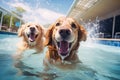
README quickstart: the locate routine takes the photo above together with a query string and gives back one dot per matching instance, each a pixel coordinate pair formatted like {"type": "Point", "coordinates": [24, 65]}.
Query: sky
{"type": "Point", "coordinates": [40, 11]}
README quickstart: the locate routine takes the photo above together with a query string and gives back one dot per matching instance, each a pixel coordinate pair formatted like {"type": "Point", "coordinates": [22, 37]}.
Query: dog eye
{"type": "Point", "coordinates": [36, 26]}
{"type": "Point", "coordinates": [73, 25]}
{"type": "Point", "coordinates": [28, 26]}
{"type": "Point", "coordinates": [58, 24]}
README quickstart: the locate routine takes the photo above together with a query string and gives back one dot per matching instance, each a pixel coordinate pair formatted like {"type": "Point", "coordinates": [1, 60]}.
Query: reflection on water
{"type": "Point", "coordinates": [99, 62]}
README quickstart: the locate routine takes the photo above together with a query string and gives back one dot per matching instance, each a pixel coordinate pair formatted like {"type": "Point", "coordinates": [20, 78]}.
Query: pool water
{"type": "Point", "coordinates": [99, 62]}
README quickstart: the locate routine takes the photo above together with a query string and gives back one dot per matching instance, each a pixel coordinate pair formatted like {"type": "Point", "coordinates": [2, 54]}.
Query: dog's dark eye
{"type": "Point", "coordinates": [58, 24]}
{"type": "Point", "coordinates": [28, 26]}
{"type": "Point", "coordinates": [73, 25]}
{"type": "Point", "coordinates": [36, 26]}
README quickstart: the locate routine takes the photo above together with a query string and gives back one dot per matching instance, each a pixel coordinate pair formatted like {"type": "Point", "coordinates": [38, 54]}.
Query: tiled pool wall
{"type": "Point", "coordinates": [109, 42]}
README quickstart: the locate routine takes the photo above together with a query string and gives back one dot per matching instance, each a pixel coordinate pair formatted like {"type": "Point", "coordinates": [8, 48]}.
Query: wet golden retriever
{"type": "Point", "coordinates": [32, 38]}
{"type": "Point", "coordinates": [62, 39]}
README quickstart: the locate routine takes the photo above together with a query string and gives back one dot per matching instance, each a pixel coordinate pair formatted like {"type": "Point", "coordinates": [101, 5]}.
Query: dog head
{"type": "Point", "coordinates": [31, 32]}
{"type": "Point", "coordinates": [65, 34]}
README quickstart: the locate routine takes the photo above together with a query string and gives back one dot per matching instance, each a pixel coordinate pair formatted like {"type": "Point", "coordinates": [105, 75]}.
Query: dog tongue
{"type": "Point", "coordinates": [64, 45]}
{"type": "Point", "coordinates": [32, 37]}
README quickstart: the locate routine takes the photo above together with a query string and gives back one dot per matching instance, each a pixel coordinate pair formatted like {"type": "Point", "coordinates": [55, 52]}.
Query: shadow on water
{"type": "Point", "coordinates": [55, 73]}
{"type": "Point", "coordinates": [28, 71]}
{"type": "Point", "coordinates": [28, 67]}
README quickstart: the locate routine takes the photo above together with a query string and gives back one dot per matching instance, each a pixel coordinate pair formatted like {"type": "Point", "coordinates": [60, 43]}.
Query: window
{"type": "Point", "coordinates": [106, 27]}
{"type": "Point", "coordinates": [117, 23]}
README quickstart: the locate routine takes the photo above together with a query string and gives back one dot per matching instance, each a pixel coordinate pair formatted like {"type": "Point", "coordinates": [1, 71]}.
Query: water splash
{"type": "Point", "coordinates": [92, 28]}
{"type": "Point", "coordinates": [93, 34]}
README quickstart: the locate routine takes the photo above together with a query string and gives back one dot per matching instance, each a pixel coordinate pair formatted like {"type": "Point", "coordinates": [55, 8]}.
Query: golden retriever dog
{"type": "Point", "coordinates": [32, 38]}
{"type": "Point", "coordinates": [62, 40]}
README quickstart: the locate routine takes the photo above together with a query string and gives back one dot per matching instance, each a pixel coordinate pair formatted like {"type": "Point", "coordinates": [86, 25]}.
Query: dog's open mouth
{"type": "Point", "coordinates": [63, 48]}
{"type": "Point", "coordinates": [32, 37]}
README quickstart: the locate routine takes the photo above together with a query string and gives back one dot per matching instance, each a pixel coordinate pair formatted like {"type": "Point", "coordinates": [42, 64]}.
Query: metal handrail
{"type": "Point", "coordinates": [116, 35]}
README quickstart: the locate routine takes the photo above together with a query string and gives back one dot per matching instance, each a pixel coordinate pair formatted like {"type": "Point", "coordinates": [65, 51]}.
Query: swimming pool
{"type": "Point", "coordinates": [100, 62]}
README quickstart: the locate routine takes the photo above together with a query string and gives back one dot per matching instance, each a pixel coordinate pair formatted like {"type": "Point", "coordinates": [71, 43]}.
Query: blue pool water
{"type": "Point", "coordinates": [99, 62]}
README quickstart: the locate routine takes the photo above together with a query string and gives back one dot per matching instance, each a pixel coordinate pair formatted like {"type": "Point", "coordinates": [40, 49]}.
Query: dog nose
{"type": "Point", "coordinates": [32, 28]}
{"type": "Point", "coordinates": [64, 33]}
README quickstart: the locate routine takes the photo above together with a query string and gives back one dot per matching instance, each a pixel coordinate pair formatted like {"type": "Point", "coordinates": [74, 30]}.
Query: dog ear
{"type": "Point", "coordinates": [20, 30]}
{"type": "Point", "coordinates": [82, 34]}
{"type": "Point", "coordinates": [40, 28]}
{"type": "Point", "coordinates": [48, 36]}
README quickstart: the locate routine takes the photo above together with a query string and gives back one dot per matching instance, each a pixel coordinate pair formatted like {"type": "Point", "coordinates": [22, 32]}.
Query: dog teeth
{"type": "Point", "coordinates": [68, 49]}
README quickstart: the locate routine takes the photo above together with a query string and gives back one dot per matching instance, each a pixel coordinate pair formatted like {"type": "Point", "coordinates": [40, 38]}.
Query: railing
{"type": "Point", "coordinates": [117, 35]}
